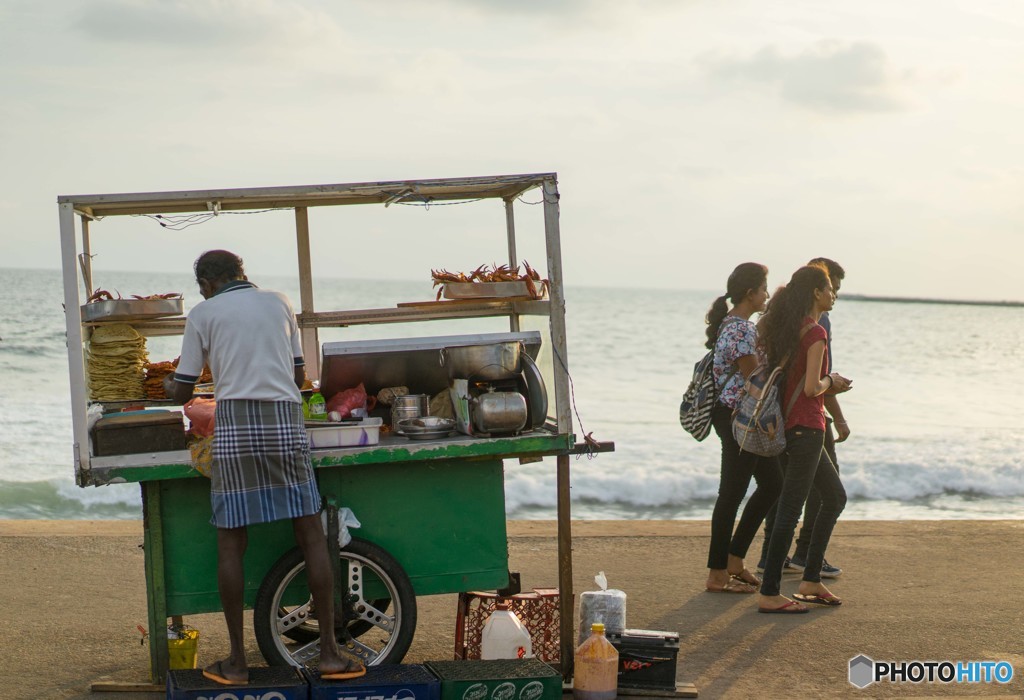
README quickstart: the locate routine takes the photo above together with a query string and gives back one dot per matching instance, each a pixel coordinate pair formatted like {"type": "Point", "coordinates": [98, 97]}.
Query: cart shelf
{"type": "Point", "coordinates": [155, 466]}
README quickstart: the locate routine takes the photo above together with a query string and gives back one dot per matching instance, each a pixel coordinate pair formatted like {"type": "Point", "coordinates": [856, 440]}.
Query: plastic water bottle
{"type": "Point", "coordinates": [316, 407]}
{"type": "Point", "coordinates": [504, 636]}
{"type": "Point", "coordinates": [596, 675]}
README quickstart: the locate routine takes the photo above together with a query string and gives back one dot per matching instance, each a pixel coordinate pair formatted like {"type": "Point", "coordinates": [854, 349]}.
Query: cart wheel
{"type": "Point", "coordinates": [308, 631]}
{"type": "Point", "coordinates": [372, 576]}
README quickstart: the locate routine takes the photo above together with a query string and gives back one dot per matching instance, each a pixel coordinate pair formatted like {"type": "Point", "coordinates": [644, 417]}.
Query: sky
{"type": "Point", "coordinates": [688, 135]}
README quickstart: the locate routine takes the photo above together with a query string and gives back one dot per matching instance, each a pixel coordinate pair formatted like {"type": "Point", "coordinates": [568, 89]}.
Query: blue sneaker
{"type": "Point", "coordinates": [827, 570]}
{"type": "Point", "coordinates": [787, 567]}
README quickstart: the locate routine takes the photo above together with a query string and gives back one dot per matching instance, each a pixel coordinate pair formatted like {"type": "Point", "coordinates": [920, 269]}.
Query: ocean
{"type": "Point", "coordinates": [934, 433]}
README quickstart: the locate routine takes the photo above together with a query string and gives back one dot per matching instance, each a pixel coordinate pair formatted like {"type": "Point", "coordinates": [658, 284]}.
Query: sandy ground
{"type": "Point", "coordinates": [72, 593]}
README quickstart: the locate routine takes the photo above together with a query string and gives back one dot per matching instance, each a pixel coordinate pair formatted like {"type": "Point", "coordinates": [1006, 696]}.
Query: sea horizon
{"type": "Point", "coordinates": [882, 297]}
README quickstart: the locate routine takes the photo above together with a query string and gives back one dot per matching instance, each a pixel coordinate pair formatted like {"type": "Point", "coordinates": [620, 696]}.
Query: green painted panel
{"type": "Point", "coordinates": [190, 548]}
{"type": "Point", "coordinates": [444, 521]}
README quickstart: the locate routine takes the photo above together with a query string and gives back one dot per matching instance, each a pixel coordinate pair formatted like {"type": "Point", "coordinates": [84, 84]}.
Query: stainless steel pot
{"type": "Point", "coordinates": [484, 363]}
{"type": "Point", "coordinates": [498, 412]}
{"type": "Point", "coordinates": [420, 401]}
{"type": "Point", "coordinates": [408, 406]}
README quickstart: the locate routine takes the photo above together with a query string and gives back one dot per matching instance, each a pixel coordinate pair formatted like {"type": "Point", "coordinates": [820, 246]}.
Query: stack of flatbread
{"type": "Point", "coordinates": [114, 362]}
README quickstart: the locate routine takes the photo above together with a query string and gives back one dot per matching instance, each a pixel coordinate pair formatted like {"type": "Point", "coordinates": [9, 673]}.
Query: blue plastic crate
{"type": "Point", "coordinates": [274, 683]}
{"type": "Point", "coordinates": [384, 682]}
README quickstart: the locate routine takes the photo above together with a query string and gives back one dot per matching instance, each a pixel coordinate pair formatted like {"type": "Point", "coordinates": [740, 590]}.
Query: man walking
{"type": "Point", "coordinates": [261, 465]}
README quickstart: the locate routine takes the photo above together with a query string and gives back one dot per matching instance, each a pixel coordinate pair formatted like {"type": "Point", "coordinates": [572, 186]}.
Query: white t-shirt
{"type": "Point", "coordinates": [250, 340]}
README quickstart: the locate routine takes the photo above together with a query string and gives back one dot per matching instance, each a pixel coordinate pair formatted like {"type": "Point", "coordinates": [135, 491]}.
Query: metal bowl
{"type": "Point", "coordinates": [425, 424]}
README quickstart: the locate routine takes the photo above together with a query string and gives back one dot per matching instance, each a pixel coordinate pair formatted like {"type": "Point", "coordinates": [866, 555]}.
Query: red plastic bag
{"type": "Point", "coordinates": [200, 414]}
{"type": "Point", "coordinates": [345, 401]}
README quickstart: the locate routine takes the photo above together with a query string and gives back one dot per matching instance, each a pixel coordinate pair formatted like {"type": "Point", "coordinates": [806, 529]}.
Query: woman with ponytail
{"type": "Point", "coordinates": [733, 337]}
{"type": "Point", "coordinates": [791, 337]}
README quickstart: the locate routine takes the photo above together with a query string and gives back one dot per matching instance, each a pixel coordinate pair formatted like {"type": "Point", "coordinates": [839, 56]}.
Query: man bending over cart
{"type": "Point", "coordinates": [261, 465]}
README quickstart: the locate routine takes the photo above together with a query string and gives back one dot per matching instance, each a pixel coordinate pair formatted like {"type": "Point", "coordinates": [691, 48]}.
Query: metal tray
{"type": "Point", "coordinates": [131, 309]}
{"type": "Point", "coordinates": [485, 290]}
{"type": "Point", "coordinates": [430, 434]}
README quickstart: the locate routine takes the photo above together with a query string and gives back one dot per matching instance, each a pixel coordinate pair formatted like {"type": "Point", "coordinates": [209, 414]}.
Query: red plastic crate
{"type": "Point", "coordinates": [537, 610]}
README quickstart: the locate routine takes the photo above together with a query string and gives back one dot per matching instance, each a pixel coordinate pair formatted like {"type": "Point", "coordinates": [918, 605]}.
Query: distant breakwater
{"type": "Point", "coordinates": [923, 300]}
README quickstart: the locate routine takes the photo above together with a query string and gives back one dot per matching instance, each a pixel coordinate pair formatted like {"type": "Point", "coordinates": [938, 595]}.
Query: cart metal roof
{"type": "Point", "coordinates": [421, 191]}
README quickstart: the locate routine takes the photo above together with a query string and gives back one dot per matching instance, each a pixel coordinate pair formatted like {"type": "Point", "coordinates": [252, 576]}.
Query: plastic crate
{"type": "Point", "coordinates": [278, 682]}
{"type": "Point", "coordinates": [538, 611]}
{"type": "Point", "coordinates": [502, 679]}
{"type": "Point", "coordinates": [401, 681]}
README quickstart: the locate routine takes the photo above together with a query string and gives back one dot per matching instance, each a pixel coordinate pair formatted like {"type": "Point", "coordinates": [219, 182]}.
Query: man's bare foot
{"type": "Point", "coordinates": [226, 673]}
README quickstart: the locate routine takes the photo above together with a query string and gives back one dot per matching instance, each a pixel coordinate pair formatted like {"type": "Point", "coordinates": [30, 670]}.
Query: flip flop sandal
{"type": "Point", "coordinates": [734, 585]}
{"type": "Point", "coordinates": [344, 675]}
{"type": "Point", "coordinates": [215, 673]}
{"type": "Point", "coordinates": [786, 609]}
{"type": "Point", "coordinates": [815, 599]}
{"type": "Point", "coordinates": [752, 581]}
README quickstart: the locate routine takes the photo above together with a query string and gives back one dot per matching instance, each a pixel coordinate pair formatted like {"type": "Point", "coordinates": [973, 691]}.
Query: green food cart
{"type": "Point", "coordinates": [432, 512]}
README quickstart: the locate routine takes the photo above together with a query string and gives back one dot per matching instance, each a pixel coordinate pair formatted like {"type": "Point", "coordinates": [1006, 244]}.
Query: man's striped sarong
{"type": "Point", "coordinates": [261, 466]}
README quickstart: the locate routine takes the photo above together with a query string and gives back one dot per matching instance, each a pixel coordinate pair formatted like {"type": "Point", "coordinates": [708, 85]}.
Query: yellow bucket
{"type": "Point", "coordinates": [183, 652]}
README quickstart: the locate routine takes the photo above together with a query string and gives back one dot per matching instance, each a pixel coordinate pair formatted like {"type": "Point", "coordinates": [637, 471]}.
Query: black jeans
{"type": "Point", "coordinates": [803, 540]}
{"type": "Point", "coordinates": [808, 464]}
{"type": "Point", "coordinates": [737, 468]}
{"type": "Point", "coordinates": [813, 507]}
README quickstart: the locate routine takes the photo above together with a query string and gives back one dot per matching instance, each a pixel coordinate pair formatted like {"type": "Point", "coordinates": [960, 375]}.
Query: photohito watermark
{"type": "Point", "coordinates": [864, 671]}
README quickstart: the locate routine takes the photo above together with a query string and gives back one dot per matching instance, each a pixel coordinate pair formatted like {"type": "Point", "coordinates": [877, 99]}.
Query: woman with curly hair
{"type": "Point", "coordinates": [791, 338]}
{"type": "Point", "coordinates": [734, 339]}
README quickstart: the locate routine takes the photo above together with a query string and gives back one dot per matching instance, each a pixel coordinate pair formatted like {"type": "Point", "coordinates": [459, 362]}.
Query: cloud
{"type": "Point", "coordinates": [208, 24]}
{"type": "Point", "coordinates": [828, 77]}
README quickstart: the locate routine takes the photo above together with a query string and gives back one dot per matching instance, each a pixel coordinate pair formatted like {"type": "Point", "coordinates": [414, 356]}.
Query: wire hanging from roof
{"type": "Point", "coordinates": [180, 222]}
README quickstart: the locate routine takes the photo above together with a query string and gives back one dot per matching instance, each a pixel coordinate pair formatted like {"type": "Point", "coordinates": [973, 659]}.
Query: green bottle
{"type": "Point", "coordinates": [316, 407]}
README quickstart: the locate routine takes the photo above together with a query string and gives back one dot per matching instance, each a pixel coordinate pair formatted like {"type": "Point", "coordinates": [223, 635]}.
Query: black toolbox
{"type": "Point", "coordinates": [647, 658]}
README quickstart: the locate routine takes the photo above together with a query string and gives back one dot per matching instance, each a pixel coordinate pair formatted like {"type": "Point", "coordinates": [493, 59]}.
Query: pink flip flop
{"type": "Point", "coordinates": [786, 609]}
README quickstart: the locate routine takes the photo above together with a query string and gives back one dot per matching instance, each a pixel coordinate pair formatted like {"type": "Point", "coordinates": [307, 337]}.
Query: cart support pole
{"type": "Point", "coordinates": [310, 336]}
{"type": "Point", "coordinates": [565, 594]}
{"type": "Point", "coordinates": [334, 553]}
{"type": "Point", "coordinates": [156, 589]}
{"type": "Point", "coordinates": [513, 256]}
{"type": "Point", "coordinates": [86, 258]}
{"type": "Point", "coordinates": [73, 323]}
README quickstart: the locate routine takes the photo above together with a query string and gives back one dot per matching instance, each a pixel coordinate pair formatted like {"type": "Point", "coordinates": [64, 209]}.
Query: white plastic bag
{"type": "Point", "coordinates": [607, 606]}
{"type": "Point", "coordinates": [346, 519]}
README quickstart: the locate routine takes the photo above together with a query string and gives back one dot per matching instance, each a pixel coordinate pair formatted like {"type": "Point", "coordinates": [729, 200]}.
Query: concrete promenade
{"type": "Point", "coordinates": [72, 593]}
